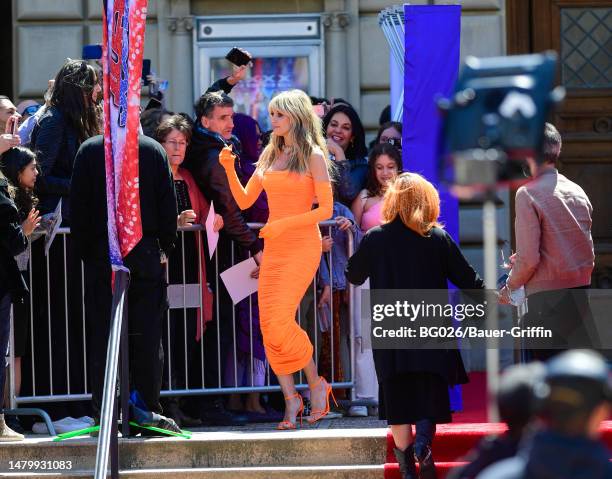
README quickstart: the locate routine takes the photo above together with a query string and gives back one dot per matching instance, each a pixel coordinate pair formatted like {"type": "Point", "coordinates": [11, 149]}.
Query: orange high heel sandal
{"type": "Point", "coordinates": [316, 415]}
{"type": "Point", "coordinates": [286, 425]}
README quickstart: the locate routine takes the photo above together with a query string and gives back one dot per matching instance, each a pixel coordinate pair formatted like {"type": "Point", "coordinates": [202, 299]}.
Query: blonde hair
{"type": "Point", "coordinates": [415, 200]}
{"type": "Point", "coordinates": [306, 133]}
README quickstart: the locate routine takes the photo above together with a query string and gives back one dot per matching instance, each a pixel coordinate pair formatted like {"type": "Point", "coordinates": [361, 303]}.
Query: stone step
{"type": "Point", "coordinates": [330, 447]}
{"type": "Point", "coordinates": [299, 472]}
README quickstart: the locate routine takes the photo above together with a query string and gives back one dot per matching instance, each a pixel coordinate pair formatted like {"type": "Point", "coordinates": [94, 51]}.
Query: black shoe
{"type": "Point", "coordinates": [405, 459]}
{"type": "Point", "coordinates": [152, 419]}
{"type": "Point", "coordinates": [427, 466]}
{"type": "Point", "coordinates": [215, 414]}
{"type": "Point", "coordinates": [160, 422]}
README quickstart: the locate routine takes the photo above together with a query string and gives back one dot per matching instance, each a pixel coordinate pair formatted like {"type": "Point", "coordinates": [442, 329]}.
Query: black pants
{"type": "Point", "coordinates": [147, 304]}
{"type": "Point", "coordinates": [567, 314]}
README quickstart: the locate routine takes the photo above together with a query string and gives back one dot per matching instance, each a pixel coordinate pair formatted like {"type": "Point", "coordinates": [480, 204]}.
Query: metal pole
{"type": "Point", "coordinates": [490, 267]}
{"type": "Point", "coordinates": [114, 443]}
{"type": "Point", "coordinates": [11, 368]}
{"type": "Point", "coordinates": [352, 315]}
{"type": "Point", "coordinates": [125, 373]}
{"type": "Point", "coordinates": [110, 375]}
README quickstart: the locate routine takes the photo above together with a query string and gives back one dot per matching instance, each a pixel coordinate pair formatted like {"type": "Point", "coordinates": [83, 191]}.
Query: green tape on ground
{"type": "Point", "coordinates": [80, 432]}
{"type": "Point", "coordinates": [183, 434]}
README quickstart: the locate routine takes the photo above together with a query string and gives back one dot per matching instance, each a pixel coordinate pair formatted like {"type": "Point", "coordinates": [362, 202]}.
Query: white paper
{"type": "Point", "coordinates": [54, 223]}
{"type": "Point", "coordinates": [211, 234]}
{"type": "Point", "coordinates": [238, 281]}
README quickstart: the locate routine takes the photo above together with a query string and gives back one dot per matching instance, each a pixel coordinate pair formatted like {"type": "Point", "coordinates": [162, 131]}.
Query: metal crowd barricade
{"type": "Point", "coordinates": [185, 297]}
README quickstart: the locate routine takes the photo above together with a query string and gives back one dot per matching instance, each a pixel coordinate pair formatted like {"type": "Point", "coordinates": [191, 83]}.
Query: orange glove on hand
{"type": "Point", "coordinates": [323, 212]}
{"type": "Point", "coordinates": [244, 197]}
{"type": "Point", "coordinates": [227, 158]}
{"type": "Point", "coordinates": [273, 230]}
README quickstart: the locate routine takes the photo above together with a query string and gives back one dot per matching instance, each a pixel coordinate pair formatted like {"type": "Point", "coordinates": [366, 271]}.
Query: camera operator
{"type": "Point", "coordinates": [516, 403]}
{"type": "Point", "coordinates": [575, 397]}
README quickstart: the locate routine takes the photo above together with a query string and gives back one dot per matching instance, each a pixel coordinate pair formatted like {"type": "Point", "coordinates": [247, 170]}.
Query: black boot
{"type": "Point", "coordinates": [425, 431]}
{"type": "Point", "coordinates": [405, 459]}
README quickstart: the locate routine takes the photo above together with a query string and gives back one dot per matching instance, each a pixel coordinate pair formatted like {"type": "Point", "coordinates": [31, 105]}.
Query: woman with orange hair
{"type": "Point", "coordinates": [412, 251]}
{"type": "Point", "coordinates": [292, 169]}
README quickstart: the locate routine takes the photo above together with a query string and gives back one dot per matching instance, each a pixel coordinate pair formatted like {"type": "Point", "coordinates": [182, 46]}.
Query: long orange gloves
{"type": "Point", "coordinates": [244, 197]}
{"type": "Point", "coordinates": [323, 212]}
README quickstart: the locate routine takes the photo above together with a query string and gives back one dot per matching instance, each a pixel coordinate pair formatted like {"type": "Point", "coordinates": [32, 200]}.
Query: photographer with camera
{"type": "Point", "coordinates": [574, 398]}
{"type": "Point", "coordinates": [517, 404]}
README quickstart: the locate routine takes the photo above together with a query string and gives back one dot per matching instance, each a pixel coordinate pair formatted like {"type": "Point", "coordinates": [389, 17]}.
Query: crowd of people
{"type": "Point", "coordinates": [46, 150]}
{"type": "Point", "coordinates": [313, 165]}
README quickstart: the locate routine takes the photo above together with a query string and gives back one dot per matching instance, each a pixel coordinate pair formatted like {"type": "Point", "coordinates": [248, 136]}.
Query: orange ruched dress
{"type": "Point", "coordinates": [292, 253]}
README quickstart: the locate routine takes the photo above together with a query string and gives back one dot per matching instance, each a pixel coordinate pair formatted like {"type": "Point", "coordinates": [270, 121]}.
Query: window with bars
{"type": "Point", "coordinates": [586, 47]}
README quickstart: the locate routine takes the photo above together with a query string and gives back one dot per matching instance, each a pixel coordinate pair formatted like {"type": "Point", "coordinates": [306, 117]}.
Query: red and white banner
{"type": "Point", "coordinates": [124, 24]}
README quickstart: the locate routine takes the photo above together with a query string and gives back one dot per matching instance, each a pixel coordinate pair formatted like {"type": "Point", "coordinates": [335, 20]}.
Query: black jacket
{"type": "Point", "coordinates": [220, 85]}
{"type": "Point", "coordinates": [202, 161]}
{"type": "Point", "coordinates": [549, 455]}
{"type": "Point", "coordinates": [490, 449]}
{"type": "Point", "coordinates": [395, 257]}
{"type": "Point", "coordinates": [12, 243]}
{"type": "Point", "coordinates": [158, 209]}
{"type": "Point", "coordinates": [55, 144]}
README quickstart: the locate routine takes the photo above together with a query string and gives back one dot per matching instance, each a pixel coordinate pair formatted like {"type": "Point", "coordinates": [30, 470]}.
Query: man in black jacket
{"type": "Point", "coordinates": [147, 298]}
{"type": "Point", "coordinates": [213, 131]}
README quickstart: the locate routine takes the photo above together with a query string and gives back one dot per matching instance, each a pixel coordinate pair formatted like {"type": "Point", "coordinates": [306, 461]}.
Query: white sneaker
{"type": "Point", "coordinates": [358, 411]}
{"type": "Point", "coordinates": [87, 420]}
{"type": "Point", "coordinates": [39, 428]}
{"type": "Point", "coordinates": [67, 424]}
{"type": "Point", "coordinates": [7, 434]}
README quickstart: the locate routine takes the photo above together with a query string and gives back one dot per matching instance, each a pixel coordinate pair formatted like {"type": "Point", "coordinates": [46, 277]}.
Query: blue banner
{"type": "Point", "coordinates": [431, 65]}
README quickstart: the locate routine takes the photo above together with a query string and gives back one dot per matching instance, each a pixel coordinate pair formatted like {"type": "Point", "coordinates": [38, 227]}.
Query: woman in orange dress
{"type": "Point", "coordinates": [292, 169]}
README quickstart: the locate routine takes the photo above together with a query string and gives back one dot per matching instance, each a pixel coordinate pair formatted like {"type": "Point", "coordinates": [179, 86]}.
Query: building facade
{"type": "Point", "coordinates": [356, 65]}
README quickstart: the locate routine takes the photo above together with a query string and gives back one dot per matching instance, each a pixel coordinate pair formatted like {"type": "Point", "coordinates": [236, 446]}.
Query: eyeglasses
{"type": "Point", "coordinates": [176, 144]}
{"type": "Point", "coordinates": [397, 142]}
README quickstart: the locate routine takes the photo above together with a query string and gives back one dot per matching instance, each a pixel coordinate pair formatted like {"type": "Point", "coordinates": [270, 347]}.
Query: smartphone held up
{"type": "Point", "coordinates": [238, 57]}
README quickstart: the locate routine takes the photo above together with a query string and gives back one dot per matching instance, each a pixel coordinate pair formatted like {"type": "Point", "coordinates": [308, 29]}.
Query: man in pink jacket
{"type": "Point", "coordinates": [554, 253]}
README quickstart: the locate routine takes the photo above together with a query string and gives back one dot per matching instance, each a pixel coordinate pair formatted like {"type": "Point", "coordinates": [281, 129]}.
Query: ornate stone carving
{"type": "Point", "coordinates": [336, 20]}
{"type": "Point", "coordinates": [180, 25]}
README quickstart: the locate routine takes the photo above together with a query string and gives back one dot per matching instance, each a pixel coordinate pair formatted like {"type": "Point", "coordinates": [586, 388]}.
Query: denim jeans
{"type": "Point", "coordinates": [5, 331]}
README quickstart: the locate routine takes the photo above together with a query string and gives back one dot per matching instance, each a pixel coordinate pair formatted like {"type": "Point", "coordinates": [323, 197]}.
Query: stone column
{"type": "Point", "coordinates": [180, 26]}
{"type": "Point", "coordinates": [336, 65]}
{"type": "Point", "coordinates": [182, 63]}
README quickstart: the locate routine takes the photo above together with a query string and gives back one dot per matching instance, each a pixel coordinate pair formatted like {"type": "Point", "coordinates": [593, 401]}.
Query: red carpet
{"type": "Point", "coordinates": [454, 440]}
